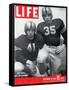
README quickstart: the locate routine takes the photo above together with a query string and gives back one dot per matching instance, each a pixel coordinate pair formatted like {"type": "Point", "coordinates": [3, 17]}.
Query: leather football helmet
{"type": "Point", "coordinates": [30, 26]}
{"type": "Point", "coordinates": [46, 11]}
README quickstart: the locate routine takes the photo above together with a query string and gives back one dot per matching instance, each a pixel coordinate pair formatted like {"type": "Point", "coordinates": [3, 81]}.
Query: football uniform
{"type": "Point", "coordinates": [51, 33]}
{"type": "Point", "coordinates": [26, 49]}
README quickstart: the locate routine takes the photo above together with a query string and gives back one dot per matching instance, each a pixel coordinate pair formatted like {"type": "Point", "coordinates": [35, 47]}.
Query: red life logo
{"type": "Point", "coordinates": [26, 11]}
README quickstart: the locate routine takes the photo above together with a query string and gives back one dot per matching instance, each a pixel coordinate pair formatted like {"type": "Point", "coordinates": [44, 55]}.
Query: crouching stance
{"type": "Point", "coordinates": [26, 50]}
{"type": "Point", "coordinates": [52, 30]}
{"type": "Point", "coordinates": [52, 59]}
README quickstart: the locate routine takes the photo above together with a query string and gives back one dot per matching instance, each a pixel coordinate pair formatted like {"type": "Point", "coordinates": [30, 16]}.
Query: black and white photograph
{"type": "Point", "coordinates": [34, 44]}
{"type": "Point", "coordinates": [40, 41]}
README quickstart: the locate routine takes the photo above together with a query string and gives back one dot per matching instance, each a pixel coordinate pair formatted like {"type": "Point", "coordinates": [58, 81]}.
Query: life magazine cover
{"type": "Point", "coordinates": [38, 44]}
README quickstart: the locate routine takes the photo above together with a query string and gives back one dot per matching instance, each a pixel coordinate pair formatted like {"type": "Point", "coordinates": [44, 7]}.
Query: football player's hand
{"type": "Point", "coordinates": [31, 66]}
{"type": "Point", "coordinates": [51, 50]}
{"type": "Point", "coordinates": [60, 48]}
{"type": "Point", "coordinates": [42, 55]}
{"type": "Point", "coordinates": [18, 66]}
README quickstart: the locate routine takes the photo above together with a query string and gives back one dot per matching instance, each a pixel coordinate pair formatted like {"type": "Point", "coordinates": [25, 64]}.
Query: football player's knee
{"type": "Point", "coordinates": [42, 56]}
{"type": "Point", "coordinates": [18, 66]}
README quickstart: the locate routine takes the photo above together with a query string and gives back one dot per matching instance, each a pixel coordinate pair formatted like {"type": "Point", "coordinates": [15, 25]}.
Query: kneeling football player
{"type": "Point", "coordinates": [51, 30]}
{"type": "Point", "coordinates": [26, 50]}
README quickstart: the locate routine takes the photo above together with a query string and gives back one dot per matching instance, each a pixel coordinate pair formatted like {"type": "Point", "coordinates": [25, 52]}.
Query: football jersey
{"type": "Point", "coordinates": [28, 48]}
{"type": "Point", "coordinates": [51, 32]}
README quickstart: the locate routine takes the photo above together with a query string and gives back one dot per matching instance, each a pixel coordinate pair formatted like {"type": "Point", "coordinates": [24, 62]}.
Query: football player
{"type": "Point", "coordinates": [51, 30]}
{"type": "Point", "coordinates": [26, 50]}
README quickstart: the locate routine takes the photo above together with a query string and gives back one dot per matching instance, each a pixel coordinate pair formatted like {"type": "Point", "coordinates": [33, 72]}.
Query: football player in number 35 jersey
{"type": "Point", "coordinates": [51, 30]}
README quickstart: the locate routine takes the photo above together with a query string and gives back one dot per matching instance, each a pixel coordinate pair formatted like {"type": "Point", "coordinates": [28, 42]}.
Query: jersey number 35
{"type": "Point", "coordinates": [50, 30]}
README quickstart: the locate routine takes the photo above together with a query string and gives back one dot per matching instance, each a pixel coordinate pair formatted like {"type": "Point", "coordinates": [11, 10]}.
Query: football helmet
{"type": "Point", "coordinates": [30, 26]}
{"type": "Point", "coordinates": [46, 11]}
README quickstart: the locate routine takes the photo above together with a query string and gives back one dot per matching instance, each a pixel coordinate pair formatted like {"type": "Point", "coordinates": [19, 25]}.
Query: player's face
{"type": "Point", "coordinates": [47, 14]}
{"type": "Point", "coordinates": [47, 18]}
{"type": "Point", "coordinates": [30, 34]}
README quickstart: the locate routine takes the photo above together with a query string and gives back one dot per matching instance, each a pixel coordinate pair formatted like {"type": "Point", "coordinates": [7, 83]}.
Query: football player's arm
{"type": "Point", "coordinates": [64, 32]}
{"type": "Point", "coordinates": [19, 54]}
{"type": "Point", "coordinates": [65, 37]}
{"type": "Point", "coordinates": [22, 64]}
{"type": "Point", "coordinates": [20, 60]}
{"type": "Point", "coordinates": [19, 57]}
{"type": "Point", "coordinates": [41, 41]}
